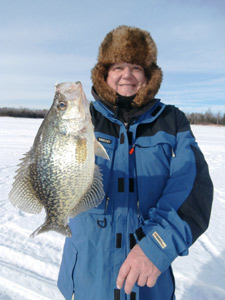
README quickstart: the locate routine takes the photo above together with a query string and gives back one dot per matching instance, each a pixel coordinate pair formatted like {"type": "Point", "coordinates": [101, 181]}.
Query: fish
{"type": "Point", "coordinates": [59, 172]}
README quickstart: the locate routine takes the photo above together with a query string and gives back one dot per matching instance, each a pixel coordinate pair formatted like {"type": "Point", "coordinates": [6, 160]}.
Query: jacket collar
{"type": "Point", "coordinates": [146, 113]}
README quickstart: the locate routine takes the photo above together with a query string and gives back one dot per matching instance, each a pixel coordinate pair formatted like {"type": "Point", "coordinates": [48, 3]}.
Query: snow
{"type": "Point", "coordinates": [29, 267]}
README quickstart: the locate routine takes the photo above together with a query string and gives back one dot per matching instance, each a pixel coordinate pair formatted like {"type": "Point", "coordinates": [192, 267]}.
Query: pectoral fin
{"type": "Point", "coordinates": [100, 150]}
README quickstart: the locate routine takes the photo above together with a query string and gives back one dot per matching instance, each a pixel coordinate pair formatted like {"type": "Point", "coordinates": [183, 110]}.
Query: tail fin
{"type": "Point", "coordinates": [45, 227]}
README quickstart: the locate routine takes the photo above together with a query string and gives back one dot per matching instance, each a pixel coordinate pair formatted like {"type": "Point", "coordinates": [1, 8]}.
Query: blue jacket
{"type": "Point", "coordinates": [158, 193]}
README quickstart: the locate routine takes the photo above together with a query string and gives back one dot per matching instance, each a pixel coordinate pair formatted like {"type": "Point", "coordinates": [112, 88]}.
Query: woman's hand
{"type": "Point", "coordinates": [137, 268]}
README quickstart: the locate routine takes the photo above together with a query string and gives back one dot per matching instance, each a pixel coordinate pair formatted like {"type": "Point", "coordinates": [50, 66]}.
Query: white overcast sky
{"type": "Point", "coordinates": [47, 41]}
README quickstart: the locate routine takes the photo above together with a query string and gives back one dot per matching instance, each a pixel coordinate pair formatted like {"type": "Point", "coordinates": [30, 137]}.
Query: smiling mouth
{"type": "Point", "coordinates": [132, 85]}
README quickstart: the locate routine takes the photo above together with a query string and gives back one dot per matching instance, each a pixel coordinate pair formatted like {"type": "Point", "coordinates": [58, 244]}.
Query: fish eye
{"type": "Point", "coordinates": [62, 105]}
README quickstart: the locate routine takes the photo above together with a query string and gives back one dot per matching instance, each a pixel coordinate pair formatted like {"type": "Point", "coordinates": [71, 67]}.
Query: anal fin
{"type": "Point", "coordinates": [93, 197]}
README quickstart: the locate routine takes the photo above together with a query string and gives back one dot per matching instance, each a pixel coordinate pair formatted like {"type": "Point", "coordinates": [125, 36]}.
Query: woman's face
{"type": "Point", "coordinates": [126, 79]}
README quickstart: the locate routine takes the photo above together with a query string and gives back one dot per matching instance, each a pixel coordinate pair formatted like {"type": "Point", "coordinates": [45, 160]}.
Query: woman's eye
{"type": "Point", "coordinates": [136, 68]}
{"type": "Point", "coordinates": [62, 105]}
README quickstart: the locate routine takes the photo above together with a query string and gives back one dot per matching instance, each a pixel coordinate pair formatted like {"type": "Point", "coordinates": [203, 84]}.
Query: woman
{"type": "Point", "coordinates": [157, 185]}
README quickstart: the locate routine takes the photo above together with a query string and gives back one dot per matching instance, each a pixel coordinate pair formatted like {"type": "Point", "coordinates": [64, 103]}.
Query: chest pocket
{"type": "Point", "coordinates": [105, 167]}
{"type": "Point", "coordinates": [153, 156]}
{"type": "Point", "coordinates": [161, 146]}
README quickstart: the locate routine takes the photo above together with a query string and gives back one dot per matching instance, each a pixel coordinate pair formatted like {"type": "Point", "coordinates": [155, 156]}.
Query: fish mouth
{"type": "Point", "coordinates": [67, 87]}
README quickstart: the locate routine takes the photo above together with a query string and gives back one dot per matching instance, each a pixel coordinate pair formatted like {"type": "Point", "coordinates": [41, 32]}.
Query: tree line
{"type": "Point", "coordinates": [194, 118]}
{"type": "Point", "coordinates": [23, 112]}
{"type": "Point", "coordinates": [206, 118]}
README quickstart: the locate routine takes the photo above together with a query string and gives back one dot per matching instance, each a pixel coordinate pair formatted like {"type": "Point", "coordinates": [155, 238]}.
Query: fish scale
{"type": "Point", "coordinates": [59, 172]}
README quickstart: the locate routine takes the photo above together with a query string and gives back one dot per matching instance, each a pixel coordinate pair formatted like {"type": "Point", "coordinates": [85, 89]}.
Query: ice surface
{"type": "Point", "coordinates": [29, 267]}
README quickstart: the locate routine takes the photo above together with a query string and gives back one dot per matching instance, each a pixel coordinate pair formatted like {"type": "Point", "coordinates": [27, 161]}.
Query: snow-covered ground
{"type": "Point", "coordinates": [29, 267]}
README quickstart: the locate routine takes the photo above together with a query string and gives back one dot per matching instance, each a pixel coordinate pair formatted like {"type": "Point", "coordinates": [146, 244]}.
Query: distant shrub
{"type": "Point", "coordinates": [23, 112]}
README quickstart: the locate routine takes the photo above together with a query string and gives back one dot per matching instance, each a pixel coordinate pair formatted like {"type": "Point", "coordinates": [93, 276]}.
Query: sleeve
{"type": "Point", "coordinates": [182, 213]}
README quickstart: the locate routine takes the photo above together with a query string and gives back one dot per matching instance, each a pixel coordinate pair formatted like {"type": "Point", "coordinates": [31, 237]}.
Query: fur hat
{"type": "Point", "coordinates": [131, 45]}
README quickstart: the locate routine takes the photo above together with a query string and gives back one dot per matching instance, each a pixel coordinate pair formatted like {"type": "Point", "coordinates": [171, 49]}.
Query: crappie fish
{"type": "Point", "coordinates": [59, 172]}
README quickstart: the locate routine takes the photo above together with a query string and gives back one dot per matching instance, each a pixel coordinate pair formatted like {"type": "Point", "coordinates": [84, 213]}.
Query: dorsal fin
{"type": "Point", "coordinates": [22, 194]}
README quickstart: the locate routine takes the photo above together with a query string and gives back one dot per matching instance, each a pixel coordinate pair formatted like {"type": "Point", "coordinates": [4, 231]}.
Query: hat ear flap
{"type": "Point", "coordinates": [150, 90]}
{"type": "Point", "coordinates": [98, 75]}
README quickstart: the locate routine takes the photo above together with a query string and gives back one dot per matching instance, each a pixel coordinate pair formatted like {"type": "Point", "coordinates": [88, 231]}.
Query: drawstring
{"type": "Point", "coordinates": [132, 150]}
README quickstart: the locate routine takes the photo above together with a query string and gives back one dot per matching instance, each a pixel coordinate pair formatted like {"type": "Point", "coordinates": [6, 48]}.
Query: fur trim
{"type": "Point", "coordinates": [131, 45]}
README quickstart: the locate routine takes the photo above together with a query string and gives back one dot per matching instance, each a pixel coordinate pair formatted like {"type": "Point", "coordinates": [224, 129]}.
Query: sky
{"type": "Point", "coordinates": [47, 41]}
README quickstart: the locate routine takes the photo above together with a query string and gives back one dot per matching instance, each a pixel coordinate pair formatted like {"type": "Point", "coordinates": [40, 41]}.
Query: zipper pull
{"type": "Point", "coordinates": [173, 154]}
{"type": "Point", "coordinates": [106, 204]}
{"type": "Point", "coordinates": [132, 150]}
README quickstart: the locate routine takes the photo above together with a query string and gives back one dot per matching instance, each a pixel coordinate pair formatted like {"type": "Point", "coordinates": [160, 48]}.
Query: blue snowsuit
{"type": "Point", "coordinates": [158, 193]}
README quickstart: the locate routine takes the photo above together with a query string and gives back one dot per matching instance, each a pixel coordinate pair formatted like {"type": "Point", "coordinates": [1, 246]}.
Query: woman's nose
{"type": "Point", "coordinates": [127, 72]}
